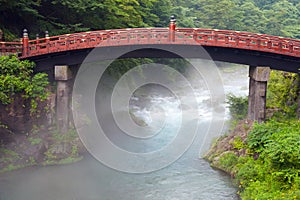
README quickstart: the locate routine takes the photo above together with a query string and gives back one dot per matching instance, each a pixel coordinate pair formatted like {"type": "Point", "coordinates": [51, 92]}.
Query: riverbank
{"type": "Point", "coordinates": [39, 147]}
{"type": "Point", "coordinates": [263, 159]}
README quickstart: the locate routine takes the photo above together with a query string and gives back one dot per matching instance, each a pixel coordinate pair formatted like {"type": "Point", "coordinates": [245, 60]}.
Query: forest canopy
{"type": "Point", "coordinates": [275, 17]}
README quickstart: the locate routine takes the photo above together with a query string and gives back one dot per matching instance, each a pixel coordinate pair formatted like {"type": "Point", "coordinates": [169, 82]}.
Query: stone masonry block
{"type": "Point", "coordinates": [261, 74]}
{"type": "Point", "coordinates": [62, 73]}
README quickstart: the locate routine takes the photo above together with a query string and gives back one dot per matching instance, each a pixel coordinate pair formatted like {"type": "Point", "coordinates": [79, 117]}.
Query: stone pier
{"type": "Point", "coordinates": [259, 77]}
{"type": "Point", "coordinates": [62, 76]}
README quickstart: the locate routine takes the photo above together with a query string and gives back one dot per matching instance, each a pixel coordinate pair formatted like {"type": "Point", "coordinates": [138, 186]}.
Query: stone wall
{"type": "Point", "coordinates": [18, 119]}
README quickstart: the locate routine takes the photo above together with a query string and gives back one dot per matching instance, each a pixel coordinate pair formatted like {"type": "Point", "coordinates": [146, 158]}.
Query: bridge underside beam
{"type": "Point", "coordinates": [232, 55]}
{"type": "Point", "coordinates": [257, 93]}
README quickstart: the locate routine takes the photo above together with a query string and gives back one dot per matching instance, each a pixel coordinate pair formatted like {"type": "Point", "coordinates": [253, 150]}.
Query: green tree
{"type": "Point", "coordinates": [253, 19]}
{"type": "Point", "coordinates": [275, 17]}
{"type": "Point", "coordinates": [163, 10]}
{"type": "Point", "coordinates": [264, 3]}
{"type": "Point", "coordinates": [282, 93]}
{"type": "Point", "coordinates": [238, 106]}
{"type": "Point", "coordinates": [223, 14]}
{"type": "Point", "coordinates": [282, 16]}
{"type": "Point", "coordinates": [17, 78]}
{"type": "Point", "coordinates": [184, 17]}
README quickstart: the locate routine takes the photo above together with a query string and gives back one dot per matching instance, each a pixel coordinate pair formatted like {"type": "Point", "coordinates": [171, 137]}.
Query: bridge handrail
{"type": "Point", "coordinates": [128, 36]}
{"type": "Point", "coordinates": [10, 47]}
{"type": "Point", "coordinates": [246, 40]}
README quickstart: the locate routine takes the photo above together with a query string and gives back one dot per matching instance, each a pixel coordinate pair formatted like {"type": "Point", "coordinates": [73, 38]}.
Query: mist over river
{"type": "Point", "coordinates": [188, 178]}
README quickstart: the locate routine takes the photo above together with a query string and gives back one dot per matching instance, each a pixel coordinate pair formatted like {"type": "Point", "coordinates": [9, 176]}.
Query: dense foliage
{"type": "Point", "coordinates": [275, 174]}
{"type": "Point", "coordinates": [283, 93]}
{"type": "Point", "coordinates": [266, 163]}
{"type": "Point", "coordinates": [275, 17]}
{"type": "Point", "coordinates": [16, 78]}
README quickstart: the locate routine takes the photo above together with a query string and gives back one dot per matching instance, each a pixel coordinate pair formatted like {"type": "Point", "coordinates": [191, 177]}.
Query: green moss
{"type": "Point", "coordinates": [227, 161]}
{"type": "Point", "coordinates": [11, 167]}
{"type": "Point", "coordinates": [35, 141]}
{"type": "Point", "coordinates": [8, 155]}
{"type": "Point", "coordinates": [63, 150]}
{"type": "Point", "coordinates": [69, 160]}
{"type": "Point", "coordinates": [238, 143]}
{"type": "Point", "coordinates": [63, 161]}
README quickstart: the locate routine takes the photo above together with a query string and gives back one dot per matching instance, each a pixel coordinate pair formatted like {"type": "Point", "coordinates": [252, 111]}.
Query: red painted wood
{"type": "Point", "coordinates": [192, 36]}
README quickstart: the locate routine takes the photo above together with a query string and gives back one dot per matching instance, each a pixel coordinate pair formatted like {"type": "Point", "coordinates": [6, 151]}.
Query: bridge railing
{"type": "Point", "coordinates": [244, 40]}
{"type": "Point", "coordinates": [191, 36]}
{"type": "Point", "coordinates": [97, 38]}
{"type": "Point", "coordinates": [10, 48]}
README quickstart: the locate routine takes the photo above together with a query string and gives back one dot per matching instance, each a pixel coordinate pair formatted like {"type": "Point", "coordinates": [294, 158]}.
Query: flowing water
{"type": "Point", "coordinates": [189, 178]}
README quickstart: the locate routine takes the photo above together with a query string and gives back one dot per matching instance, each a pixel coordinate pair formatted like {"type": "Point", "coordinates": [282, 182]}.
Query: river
{"type": "Point", "coordinates": [188, 178]}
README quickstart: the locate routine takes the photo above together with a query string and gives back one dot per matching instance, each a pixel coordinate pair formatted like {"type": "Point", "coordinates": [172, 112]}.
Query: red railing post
{"type": "Point", "coordinates": [291, 47]}
{"type": "Point", "coordinates": [248, 40]}
{"type": "Point", "coordinates": [226, 39]}
{"type": "Point", "coordinates": [258, 42]}
{"type": "Point", "coordinates": [172, 28]}
{"type": "Point", "coordinates": [25, 42]}
{"type": "Point", "coordinates": [195, 36]}
{"type": "Point", "coordinates": [88, 38]}
{"type": "Point", "coordinates": [280, 46]}
{"type": "Point", "coordinates": [216, 37]}
{"type": "Point", "coordinates": [237, 39]}
{"type": "Point", "coordinates": [2, 49]}
{"type": "Point", "coordinates": [47, 40]}
{"type": "Point", "coordinates": [37, 38]}
{"type": "Point", "coordinates": [269, 44]}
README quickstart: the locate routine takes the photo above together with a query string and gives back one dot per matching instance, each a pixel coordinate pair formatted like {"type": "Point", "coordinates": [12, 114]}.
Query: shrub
{"type": "Point", "coordinates": [275, 173]}
{"type": "Point", "coordinates": [238, 106]}
{"type": "Point", "coordinates": [16, 77]}
{"type": "Point", "coordinates": [284, 150]}
{"type": "Point", "coordinates": [227, 161]}
{"type": "Point", "coordinates": [238, 143]}
{"type": "Point", "coordinates": [282, 93]}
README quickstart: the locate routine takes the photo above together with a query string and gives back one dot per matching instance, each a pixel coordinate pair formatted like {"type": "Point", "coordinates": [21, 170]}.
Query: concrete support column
{"type": "Point", "coordinates": [259, 77]}
{"type": "Point", "coordinates": [62, 76]}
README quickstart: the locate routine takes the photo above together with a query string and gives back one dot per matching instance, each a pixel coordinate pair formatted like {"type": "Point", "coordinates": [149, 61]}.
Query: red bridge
{"type": "Point", "coordinates": [189, 36]}
{"type": "Point", "coordinates": [137, 36]}
{"type": "Point", "coordinates": [255, 50]}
